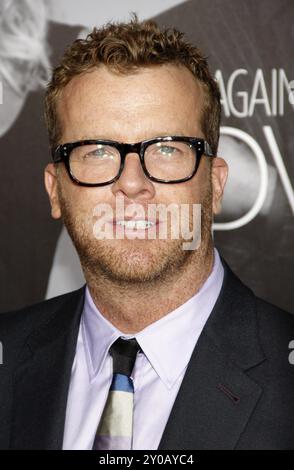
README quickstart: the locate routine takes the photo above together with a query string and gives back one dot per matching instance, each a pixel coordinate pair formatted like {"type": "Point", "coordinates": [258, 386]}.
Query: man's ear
{"type": "Point", "coordinates": [50, 180]}
{"type": "Point", "coordinates": [219, 174]}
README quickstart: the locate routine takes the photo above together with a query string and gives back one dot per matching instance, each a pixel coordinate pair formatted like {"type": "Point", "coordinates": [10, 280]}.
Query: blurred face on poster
{"type": "Point", "coordinates": [23, 54]}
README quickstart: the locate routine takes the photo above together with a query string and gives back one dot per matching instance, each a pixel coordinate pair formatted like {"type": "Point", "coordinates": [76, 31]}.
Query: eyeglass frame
{"type": "Point", "coordinates": [62, 152]}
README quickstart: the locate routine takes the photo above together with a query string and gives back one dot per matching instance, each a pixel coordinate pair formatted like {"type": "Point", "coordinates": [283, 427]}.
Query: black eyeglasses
{"type": "Point", "coordinates": [170, 159]}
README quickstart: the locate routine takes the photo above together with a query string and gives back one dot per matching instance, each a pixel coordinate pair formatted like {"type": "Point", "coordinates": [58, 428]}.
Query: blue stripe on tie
{"type": "Point", "coordinates": [122, 382]}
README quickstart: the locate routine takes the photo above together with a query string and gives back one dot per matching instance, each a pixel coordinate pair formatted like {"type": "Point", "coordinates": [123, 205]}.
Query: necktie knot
{"type": "Point", "coordinates": [124, 352]}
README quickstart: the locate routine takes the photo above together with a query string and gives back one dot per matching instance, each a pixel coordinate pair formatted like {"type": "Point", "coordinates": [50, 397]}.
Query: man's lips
{"type": "Point", "coordinates": [133, 225]}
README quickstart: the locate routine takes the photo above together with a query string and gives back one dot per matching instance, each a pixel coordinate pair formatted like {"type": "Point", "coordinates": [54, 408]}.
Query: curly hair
{"type": "Point", "coordinates": [124, 48]}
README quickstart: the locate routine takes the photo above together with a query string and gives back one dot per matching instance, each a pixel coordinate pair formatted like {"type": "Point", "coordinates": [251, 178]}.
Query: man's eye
{"type": "Point", "coordinates": [167, 150]}
{"type": "Point", "coordinates": [99, 154]}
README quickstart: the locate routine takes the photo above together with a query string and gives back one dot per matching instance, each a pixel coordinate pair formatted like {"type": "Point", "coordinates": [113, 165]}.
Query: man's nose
{"type": "Point", "coordinates": [133, 182]}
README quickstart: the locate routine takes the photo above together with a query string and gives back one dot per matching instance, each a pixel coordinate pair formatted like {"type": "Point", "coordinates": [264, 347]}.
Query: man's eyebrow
{"type": "Point", "coordinates": [153, 136]}
{"type": "Point", "coordinates": [95, 137]}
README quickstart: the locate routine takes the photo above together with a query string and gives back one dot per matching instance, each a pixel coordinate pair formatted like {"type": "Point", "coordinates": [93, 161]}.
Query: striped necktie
{"type": "Point", "coordinates": [116, 425]}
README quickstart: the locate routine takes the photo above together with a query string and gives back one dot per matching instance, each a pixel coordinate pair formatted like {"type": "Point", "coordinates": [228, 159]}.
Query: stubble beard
{"type": "Point", "coordinates": [134, 262]}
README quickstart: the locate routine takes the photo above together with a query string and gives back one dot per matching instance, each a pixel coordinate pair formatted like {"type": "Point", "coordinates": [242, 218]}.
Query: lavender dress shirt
{"type": "Point", "coordinates": [158, 373]}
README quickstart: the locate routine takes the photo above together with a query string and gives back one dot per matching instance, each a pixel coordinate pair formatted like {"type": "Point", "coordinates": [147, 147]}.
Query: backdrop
{"type": "Point", "coordinates": [249, 46]}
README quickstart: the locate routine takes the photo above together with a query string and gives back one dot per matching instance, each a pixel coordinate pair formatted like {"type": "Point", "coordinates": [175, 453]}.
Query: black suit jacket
{"type": "Point", "coordinates": [237, 392]}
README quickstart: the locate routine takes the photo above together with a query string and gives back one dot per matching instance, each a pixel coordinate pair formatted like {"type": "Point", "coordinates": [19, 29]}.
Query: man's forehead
{"type": "Point", "coordinates": [168, 81]}
{"type": "Point", "coordinates": [154, 101]}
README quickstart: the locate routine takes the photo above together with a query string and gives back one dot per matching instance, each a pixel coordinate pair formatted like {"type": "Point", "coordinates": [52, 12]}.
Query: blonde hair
{"type": "Point", "coordinates": [124, 48]}
{"type": "Point", "coordinates": [23, 31]}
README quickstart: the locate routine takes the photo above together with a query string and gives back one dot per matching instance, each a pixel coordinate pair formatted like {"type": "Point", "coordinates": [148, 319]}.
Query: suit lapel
{"type": "Point", "coordinates": [42, 379]}
{"type": "Point", "coordinates": [217, 397]}
{"type": "Point", "coordinates": [213, 405]}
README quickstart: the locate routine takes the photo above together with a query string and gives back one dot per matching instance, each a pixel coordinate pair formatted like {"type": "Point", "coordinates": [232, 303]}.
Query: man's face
{"type": "Point", "coordinates": [155, 101]}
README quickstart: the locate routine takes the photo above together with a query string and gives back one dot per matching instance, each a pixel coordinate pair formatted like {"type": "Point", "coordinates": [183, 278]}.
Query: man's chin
{"type": "Point", "coordinates": [134, 261]}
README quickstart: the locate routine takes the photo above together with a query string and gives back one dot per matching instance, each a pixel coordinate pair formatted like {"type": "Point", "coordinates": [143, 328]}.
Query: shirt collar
{"type": "Point", "coordinates": [167, 343]}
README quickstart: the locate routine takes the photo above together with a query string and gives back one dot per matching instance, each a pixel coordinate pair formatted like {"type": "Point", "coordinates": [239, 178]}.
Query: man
{"type": "Point", "coordinates": [164, 348]}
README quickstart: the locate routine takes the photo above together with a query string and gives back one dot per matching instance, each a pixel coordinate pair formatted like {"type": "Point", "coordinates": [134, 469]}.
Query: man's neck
{"type": "Point", "coordinates": [132, 308]}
